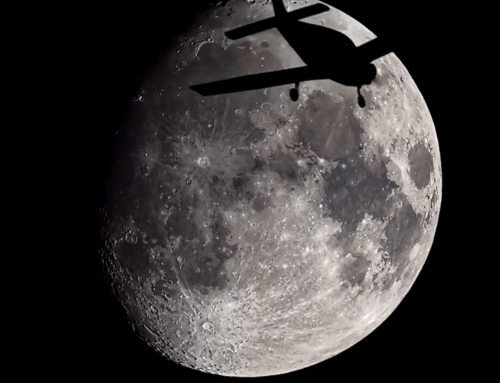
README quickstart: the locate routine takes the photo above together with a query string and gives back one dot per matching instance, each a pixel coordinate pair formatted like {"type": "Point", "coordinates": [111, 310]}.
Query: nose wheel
{"type": "Point", "coordinates": [294, 93]}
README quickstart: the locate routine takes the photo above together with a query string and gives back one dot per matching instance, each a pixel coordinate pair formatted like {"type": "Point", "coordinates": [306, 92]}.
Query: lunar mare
{"type": "Point", "coordinates": [248, 235]}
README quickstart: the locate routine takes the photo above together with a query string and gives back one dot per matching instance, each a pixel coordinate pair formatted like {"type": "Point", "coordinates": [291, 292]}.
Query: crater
{"type": "Point", "coordinates": [421, 165]}
{"type": "Point", "coordinates": [203, 162]}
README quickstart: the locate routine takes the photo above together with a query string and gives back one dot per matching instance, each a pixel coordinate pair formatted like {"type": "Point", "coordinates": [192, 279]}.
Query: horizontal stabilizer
{"type": "Point", "coordinates": [262, 25]}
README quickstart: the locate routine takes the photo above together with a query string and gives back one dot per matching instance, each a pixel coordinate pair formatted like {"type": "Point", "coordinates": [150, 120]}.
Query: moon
{"type": "Point", "coordinates": [249, 235]}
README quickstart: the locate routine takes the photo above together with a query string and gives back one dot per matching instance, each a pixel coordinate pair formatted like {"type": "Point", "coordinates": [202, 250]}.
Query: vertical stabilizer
{"type": "Point", "coordinates": [279, 8]}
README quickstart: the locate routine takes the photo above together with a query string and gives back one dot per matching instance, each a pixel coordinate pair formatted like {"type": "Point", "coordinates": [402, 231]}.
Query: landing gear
{"type": "Point", "coordinates": [294, 92]}
{"type": "Point", "coordinates": [361, 99]}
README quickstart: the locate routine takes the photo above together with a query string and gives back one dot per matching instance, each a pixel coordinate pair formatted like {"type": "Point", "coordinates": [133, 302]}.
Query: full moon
{"type": "Point", "coordinates": [249, 235]}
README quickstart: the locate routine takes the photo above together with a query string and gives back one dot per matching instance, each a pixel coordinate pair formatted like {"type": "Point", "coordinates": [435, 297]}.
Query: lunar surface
{"type": "Point", "coordinates": [250, 235]}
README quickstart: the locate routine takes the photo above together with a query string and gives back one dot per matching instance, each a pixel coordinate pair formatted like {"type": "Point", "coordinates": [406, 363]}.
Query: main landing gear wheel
{"type": "Point", "coordinates": [361, 99]}
{"type": "Point", "coordinates": [294, 92]}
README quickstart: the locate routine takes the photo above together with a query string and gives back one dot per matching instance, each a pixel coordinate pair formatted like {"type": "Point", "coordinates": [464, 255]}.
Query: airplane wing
{"type": "Point", "coordinates": [259, 81]}
{"type": "Point", "coordinates": [272, 22]}
{"type": "Point", "coordinates": [373, 49]}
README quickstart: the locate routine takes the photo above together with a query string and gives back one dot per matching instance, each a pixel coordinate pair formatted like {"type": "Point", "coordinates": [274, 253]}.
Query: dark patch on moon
{"type": "Point", "coordinates": [287, 168]}
{"type": "Point", "coordinates": [352, 191]}
{"type": "Point", "coordinates": [241, 56]}
{"type": "Point", "coordinates": [216, 252]}
{"type": "Point", "coordinates": [218, 181]}
{"type": "Point", "coordinates": [261, 202]}
{"type": "Point", "coordinates": [200, 265]}
{"type": "Point", "coordinates": [179, 223]}
{"type": "Point", "coordinates": [329, 128]}
{"type": "Point", "coordinates": [254, 134]}
{"type": "Point", "coordinates": [355, 269]}
{"type": "Point", "coordinates": [259, 164]}
{"type": "Point", "coordinates": [403, 231]}
{"type": "Point", "coordinates": [239, 182]}
{"type": "Point", "coordinates": [243, 187]}
{"type": "Point", "coordinates": [167, 156]}
{"type": "Point", "coordinates": [433, 202]}
{"type": "Point", "coordinates": [378, 163]}
{"type": "Point", "coordinates": [202, 262]}
{"type": "Point", "coordinates": [421, 165]}
{"type": "Point", "coordinates": [134, 257]}
{"type": "Point", "coordinates": [242, 162]}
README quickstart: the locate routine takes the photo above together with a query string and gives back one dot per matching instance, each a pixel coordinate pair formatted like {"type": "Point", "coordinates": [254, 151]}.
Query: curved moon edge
{"type": "Point", "coordinates": [248, 235]}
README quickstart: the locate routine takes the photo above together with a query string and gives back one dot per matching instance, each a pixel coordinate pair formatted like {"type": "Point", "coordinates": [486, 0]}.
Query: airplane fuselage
{"type": "Point", "coordinates": [312, 44]}
{"type": "Point", "coordinates": [326, 53]}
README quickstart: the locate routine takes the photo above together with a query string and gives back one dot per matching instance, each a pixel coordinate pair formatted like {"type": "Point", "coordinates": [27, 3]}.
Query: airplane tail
{"type": "Point", "coordinates": [272, 22]}
{"type": "Point", "coordinates": [279, 8]}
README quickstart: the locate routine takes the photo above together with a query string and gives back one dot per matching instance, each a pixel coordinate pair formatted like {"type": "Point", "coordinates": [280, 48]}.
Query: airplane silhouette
{"type": "Point", "coordinates": [348, 65]}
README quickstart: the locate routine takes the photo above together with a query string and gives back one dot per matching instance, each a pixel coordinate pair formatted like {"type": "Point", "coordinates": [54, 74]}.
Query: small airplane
{"type": "Point", "coordinates": [328, 54]}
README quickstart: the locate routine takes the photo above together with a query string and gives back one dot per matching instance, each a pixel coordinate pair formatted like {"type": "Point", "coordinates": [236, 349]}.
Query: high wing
{"type": "Point", "coordinates": [373, 50]}
{"type": "Point", "coordinates": [259, 81]}
{"type": "Point", "coordinates": [272, 22]}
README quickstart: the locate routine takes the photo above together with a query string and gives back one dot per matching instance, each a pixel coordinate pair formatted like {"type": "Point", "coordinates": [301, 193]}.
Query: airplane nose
{"type": "Point", "coordinates": [371, 74]}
